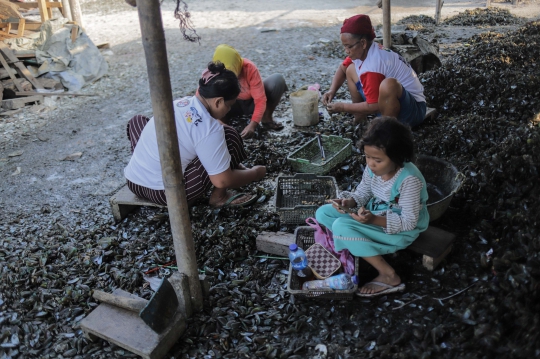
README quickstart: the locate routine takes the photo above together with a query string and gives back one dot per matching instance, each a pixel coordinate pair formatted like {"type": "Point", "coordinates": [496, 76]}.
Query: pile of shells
{"type": "Point", "coordinates": [488, 96]}
{"type": "Point", "coordinates": [481, 302]}
{"type": "Point", "coordinates": [421, 23]}
{"type": "Point", "coordinates": [333, 49]}
{"type": "Point", "coordinates": [492, 16]}
{"type": "Point", "coordinates": [417, 19]}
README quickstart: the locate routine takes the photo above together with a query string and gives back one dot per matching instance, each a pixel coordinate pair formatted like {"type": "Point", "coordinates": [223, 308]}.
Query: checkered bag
{"type": "Point", "coordinates": [321, 261]}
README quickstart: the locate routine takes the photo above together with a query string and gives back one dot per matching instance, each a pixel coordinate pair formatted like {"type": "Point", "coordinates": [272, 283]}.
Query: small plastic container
{"type": "Point", "coordinates": [305, 106]}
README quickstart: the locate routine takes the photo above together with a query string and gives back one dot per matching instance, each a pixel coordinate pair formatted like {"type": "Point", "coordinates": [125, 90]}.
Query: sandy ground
{"type": "Point", "coordinates": [35, 142]}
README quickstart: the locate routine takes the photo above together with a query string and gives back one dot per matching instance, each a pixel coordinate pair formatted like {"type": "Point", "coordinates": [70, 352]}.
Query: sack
{"type": "Point", "coordinates": [325, 238]}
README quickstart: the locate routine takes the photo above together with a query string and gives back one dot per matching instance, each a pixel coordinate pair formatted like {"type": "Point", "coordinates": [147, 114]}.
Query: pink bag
{"type": "Point", "coordinates": [325, 238]}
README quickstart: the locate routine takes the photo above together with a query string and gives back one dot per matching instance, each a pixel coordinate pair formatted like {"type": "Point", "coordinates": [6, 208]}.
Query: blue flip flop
{"type": "Point", "coordinates": [236, 196]}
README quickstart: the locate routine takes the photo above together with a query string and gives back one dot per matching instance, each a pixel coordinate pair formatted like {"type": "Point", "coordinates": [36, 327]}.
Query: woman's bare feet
{"type": "Point", "coordinates": [269, 123]}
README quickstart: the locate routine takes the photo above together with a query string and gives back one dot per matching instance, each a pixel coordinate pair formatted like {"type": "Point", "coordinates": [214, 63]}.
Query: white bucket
{"type": "Point", "coordinates": [305, 106]}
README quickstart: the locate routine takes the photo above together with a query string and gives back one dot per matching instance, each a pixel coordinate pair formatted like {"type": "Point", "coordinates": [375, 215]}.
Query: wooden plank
{"type": "Point", "coordinates": [74, 33]}
{"type": "Point", "coordinates": [435, 244]}
{"type": "Point", "coordinates": [4, 72]}
{"type": "Point", "coordinates": [33, 93]}
{"type": "Point", "coordinates": [124, 202]}
{"type": "Point", "coordinates": [432, 242]}
{"type": "Point", "coordinates": [127, 330]}
{"type": "Point", "coordinates": [42, 5]}
{"type": "Point", "coordinates": [7, 35]}
{"type": "Point", "coordinates": [33, 25]}
{"type": "Point", "coordinates": [15, 103]}
{"type": "Point", "coordinates": [27, 5]}
{"type": "Point", "coordinates": [51, 4]}
{"type": "Point", "coordinates": [8, 9]}
{"type": "Point", "coordinates": [11, 75]}
{"type": "Point", "coordinates": [20, 29]}
{"type": "Point", "coordinates": [430, 263]}
{"type": "Point", "coordinates": [25, 55]}
{"type": "Point", "coordinates": [275, 242]}
{"type": "Point", "coordinates": [11, 112]}
{"type": "Point", "coordinates": [21, 69]}
{"type": "Point", "coordinates": [103, 45]}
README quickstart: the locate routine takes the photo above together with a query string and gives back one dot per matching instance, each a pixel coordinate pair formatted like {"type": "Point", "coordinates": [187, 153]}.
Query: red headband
{"type": "Point", "coordinates": [358, 25]}
{"type": "Point", "coordinates": [207, 76]}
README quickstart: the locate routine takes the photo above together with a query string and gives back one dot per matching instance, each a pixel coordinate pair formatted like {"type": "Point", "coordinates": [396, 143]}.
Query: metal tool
{"type": "Point", "coordinates": [319, 139]}
{"type": "Point", "coordinates": [157, 312]}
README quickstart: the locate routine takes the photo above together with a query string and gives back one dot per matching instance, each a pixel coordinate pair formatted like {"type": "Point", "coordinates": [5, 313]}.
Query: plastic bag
{"type": "Point", "coordinates": [325, 238]}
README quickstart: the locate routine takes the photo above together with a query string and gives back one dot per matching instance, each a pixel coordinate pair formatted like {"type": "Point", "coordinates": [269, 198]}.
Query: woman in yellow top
{"type": "Point", "coordinates": [257, 98]}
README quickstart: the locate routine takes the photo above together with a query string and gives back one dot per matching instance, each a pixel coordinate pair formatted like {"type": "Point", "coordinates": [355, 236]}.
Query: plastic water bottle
{"type": "Point", "coordinates": [299, 262]}
{"type": "Point", "coordinates": [341, 281]}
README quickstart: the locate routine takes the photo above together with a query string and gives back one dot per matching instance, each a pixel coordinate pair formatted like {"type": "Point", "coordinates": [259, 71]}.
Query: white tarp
{"type": "Point", "coordinates": [73, 63]}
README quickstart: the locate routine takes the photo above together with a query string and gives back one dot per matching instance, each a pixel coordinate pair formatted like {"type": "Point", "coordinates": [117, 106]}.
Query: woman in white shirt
{"type": "Point", "coordinates": [210, 153]}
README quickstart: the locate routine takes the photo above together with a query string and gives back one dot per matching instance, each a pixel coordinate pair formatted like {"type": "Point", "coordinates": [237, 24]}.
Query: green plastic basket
{"type": "Point", "coordinates": [304, 239]}
{"type": "Point", "coordinates": [308, 158]}
{"type": "Point", "coordinates": [299, 196]}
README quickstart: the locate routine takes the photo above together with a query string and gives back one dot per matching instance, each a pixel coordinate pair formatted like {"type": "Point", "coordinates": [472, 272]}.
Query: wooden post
{"type": "Point", "coordinates": [438, 8]}
{"type": "Point", "coordinates": [153, 39]}
{"type": "Point", "coordinates": [387, 24]}
{"type": "Point", "coordinates": [66, 10]}
{"type": "Point", "coordinates": [42, 5]}
{"type": "Point", "coordinates": [76, 14]}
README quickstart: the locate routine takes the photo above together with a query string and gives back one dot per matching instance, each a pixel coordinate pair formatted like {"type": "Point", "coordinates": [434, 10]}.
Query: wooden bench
{"type": "Point", "coordinates": [434, 244]}
{"type": "Point", "coordinates": [124, 202]}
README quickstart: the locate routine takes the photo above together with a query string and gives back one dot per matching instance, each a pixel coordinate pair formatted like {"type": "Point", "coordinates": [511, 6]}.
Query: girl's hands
{"type": "Point", "coordinates": [343, 202]}
{"type": "Point", "coordinates": [364, 216]}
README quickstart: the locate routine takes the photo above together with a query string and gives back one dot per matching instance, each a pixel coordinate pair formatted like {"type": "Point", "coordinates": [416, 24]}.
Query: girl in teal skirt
{"type": "Point", "coordinates": [387, 211]}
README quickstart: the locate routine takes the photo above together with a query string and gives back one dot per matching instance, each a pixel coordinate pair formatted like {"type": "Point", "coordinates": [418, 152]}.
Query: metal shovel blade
{"type": "Point", "coordinates": [161, 309]}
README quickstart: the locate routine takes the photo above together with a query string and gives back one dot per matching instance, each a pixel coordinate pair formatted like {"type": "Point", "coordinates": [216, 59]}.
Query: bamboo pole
{"type": "Point", "coordinates": [76, 14]}
{"type": "Point", "coordinates": [438, 8]}
{"type": "Point", "coordinates": [66, 10]}
{"type": "Point", "coordinates": [153, 39]}
{"type": "Point", "coordinates": [387, 25]}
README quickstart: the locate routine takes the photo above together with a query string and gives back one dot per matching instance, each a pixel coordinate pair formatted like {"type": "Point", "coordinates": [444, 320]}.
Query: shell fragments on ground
{"type": "Point", "coordinates": [487, 94]}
